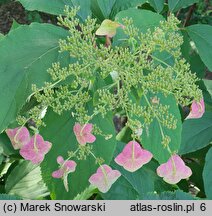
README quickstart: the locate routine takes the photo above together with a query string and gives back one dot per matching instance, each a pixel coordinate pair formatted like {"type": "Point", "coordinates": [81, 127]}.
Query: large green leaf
{"type": "Point", "coordinates": [196, 133]}
{"type": "Point", "coordinates": [142, 19]}
{"type": "Point", "coordinates": [57, 7]}
{"type": "Point", "coordinates": [26, 53]}
{"type": "Point", "coordinates": [208, 84]}
{"type": "Point", "coordinates": [1, 36]}
{"type": "Point", "coordinates": [157, 4]}
{"type": "Point", "coordinates": [191, 55]}
{"type": "Point", "coordinates": [59, 131]}
{"type": "Point", "coordinates": [6, 145]}
{"type": "Point", "coordinates": [87, 193]}
{"type": "Point", "coordinates": [152, 138]}
{"type": "Point", "coordinates": [201, 35]}
{"type": "Point", "coordinates": [121, 190]}
{"type": "Point", "coordinates": [123, 5]}
{"type": "Point", "coordinates": [175, 5]}
{"type": "Point", "coordinates": [207, 174]}
{"type": "Point", "coordinates": [103, 9]}
{"type": "Point", "coordinates": [9, 197]}
{"type": "Point", "coordinates": [176, 195]}
{"type": "Point", "coordinates": [25, 181]}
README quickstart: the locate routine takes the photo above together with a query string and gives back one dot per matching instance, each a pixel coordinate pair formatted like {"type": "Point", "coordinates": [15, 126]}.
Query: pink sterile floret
{"type": "Point", "coordinates": [65, 167]}
{"type": "Point", "coordinates": [174, 170]}
{"type": "Point", "coordinates": [133, 157]}
{"type": "Point", "coordinates": [104, 178]}
{"type": "Point", "coordinates": [18, 136]}
{"type": "Point", "coordinates": [35, 149]}
{"type": "Point", "coordinates": [83, 133]}
{"type": "Point", "coordinates": [197, 109]}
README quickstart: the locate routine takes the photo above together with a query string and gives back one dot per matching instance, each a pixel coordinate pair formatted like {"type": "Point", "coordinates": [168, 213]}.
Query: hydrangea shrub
{"type": "Point", "coordinates": [108, 70]}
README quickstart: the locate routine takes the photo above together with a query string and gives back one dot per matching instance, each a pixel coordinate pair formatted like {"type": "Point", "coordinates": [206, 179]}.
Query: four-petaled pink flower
{"type": "Point", "coordinates": [18, 136]}
{"type": "Point", "coordinates": [83, 133]}
{"type": "Point", "coordinates": [133, 157]}
{"type": "Point", "coordinates": [197, 109]}
{"type": "Point", "coordinates": [35, 149]}
{"type": "Point", "coordinates": [174, 170]}
{"type": "Point", "coordinates": [66, 166]}
{"type": "Point", "coordinates": [104, 178]}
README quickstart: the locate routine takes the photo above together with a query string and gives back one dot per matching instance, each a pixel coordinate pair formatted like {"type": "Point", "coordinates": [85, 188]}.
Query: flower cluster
{"type": "Point", "coordinates": [83, 134]}
{"type": "Point", "coordinates": [109, 78]}
{"type": "Point", "coordinates": [31, 148]}
{"type": "Point", "coordinates": [139, 69]}
{"type": "Point", "coordinates": [66, 167]}
{"type": "Point", "coordinates": [132, 158]}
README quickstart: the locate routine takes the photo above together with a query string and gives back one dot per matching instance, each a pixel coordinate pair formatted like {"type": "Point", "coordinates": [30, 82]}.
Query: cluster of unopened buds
{"type": "Point", "coordinates": [132, 157]}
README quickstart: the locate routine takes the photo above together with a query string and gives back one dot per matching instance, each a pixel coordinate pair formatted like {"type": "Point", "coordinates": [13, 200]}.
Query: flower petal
{"type": "Point", "coordinates": [70, 165]}
{"type": "Point", "coordinates": [197, 109]}
{"type": "Point", "coordinates": [42, 146]}
{"type": "Point", "coordinates": [83, 133]}
{"type": "Point", "coordinates": [35, 149]}
{"type": "Point", "coordinates": [108, 28]}
{"type": "Point", "coordinates": [18, 136]}
{"type": "Point", "coordinates": [77, 129]}
{"type": "Point", "coordinates": [104, 178]}
{"type": "Point", "coordinates": [60, 160]}
{"type": "Point", "coordinates": [133, 157]}
{"type": "Point", "coordinates": [174, 170]}
{"type": "Point", "coordinates": [90, 138]}
{"type": "Point", "coordinates": [81, 139]}
{"type": "Point", "coordinates": [87, 128]}
{"type": "Point", "coordinates": [58, 173]}
{"type": "Point", "coordinates": [38, 158]}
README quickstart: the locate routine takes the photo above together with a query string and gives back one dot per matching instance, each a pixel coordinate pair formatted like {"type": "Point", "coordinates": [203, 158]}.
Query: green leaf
{"type": "Point", "coordinates": [57, 7]}
{"type": "Point", "coordinates": [189, 52]}
{"type": "Point", "coordinates": [175, 5]}
{"type": "Point", "coordinates": [6, 145]}
{"type": "Point", "coordinates": [25, 181]}
{"type": "Point", "coordinates": [142, 19]}
{"type": "Point", "coordinates": [201, 35]}
{"type": "Point", "coordinates": [196, 133]}
{"type": "Point", "coordinates": [32, 50]}
{"type": "Point", "coordinates": [196, 177]}
{"type": "Point", "coordinates": [87, 193]}
{"type": "Point", "coordinates": [15, 25]}
{"type": "Point", "coordinates": [103, 9]}
{"type": "Point", "coordinates": [207, 174]}
{"type": "Point", "coordinates": [1, 36]}
{"type": "Point", "coordinates": [176, 195]}
{"type": "Point", "coordinates": [157, 4]}
{"type": "Point", "coordinates": [208, 84]}
{"type": "Point", "coordinates": [121, 190]}
{"type": "Point", "coordinates": [59, 131]}
{"type": "Point", "coordinates": [152, 137]}
{"type": "Point", "coordinates": [121, 5]}
{"type": "Point", "coordinates": [9, 197]}
{"type": "Point", "coordinates": [104, 6]}
{"type": "Point", "coordinates": [206, 94]}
